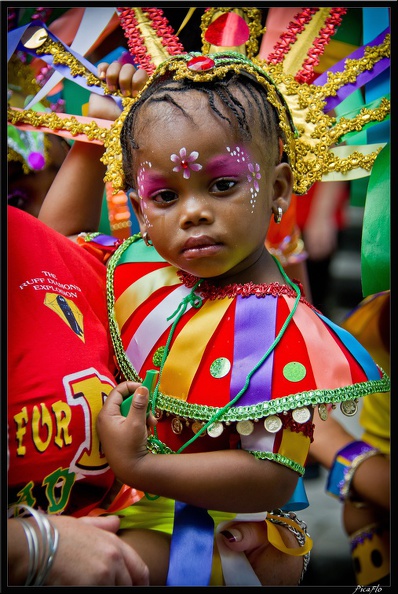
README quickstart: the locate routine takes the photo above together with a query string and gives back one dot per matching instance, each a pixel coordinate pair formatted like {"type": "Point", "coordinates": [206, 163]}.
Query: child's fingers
{"type": "Point", "coordinates": [126, 75]}
{"type": "Point", "coordinates": [139, 79]}
{"type": "Point", "coordinates": [112, 76]}
{"type": "Point", "coordinates": [117, 395]}
{"type": "Point", "coordinates": [102, 68]}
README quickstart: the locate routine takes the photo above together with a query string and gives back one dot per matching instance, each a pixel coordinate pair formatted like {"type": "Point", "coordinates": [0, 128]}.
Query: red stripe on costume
{"type": "Point", "coordinates": [127, 274]}
{"type": "Point", "coordinates": [286, 352]}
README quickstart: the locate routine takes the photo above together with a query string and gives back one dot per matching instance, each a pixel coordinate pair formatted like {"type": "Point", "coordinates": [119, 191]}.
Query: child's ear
{"type": "Point", "coordinates": [283, 187]}
{"type": "Point", "coordinates": [136, 204]}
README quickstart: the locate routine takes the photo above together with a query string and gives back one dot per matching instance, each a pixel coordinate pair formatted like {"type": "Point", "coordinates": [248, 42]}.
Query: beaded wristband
{"type": "Point", "coordinates": [344, 466]}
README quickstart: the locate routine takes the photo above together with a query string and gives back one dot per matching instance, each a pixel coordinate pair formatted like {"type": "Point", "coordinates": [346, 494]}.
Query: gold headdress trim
{"type": "Point", "coordinates": [311, 148]}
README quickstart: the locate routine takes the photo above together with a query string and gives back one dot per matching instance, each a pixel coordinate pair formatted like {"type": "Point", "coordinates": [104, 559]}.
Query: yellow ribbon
{"type": "Point", "coordinates": [275, 538]}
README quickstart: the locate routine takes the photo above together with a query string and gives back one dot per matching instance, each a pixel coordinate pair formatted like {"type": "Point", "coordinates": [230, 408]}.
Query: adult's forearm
{"type": "Point", "coordinates": [74, 200]}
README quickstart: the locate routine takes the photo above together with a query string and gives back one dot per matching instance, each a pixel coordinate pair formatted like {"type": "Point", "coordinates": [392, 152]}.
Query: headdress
{"type": "Point", "coordinates": [315, 139]}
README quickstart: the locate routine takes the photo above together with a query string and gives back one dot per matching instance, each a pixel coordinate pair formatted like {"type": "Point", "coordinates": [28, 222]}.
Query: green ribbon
{"type": "Point", "coordinates": [375, 251]}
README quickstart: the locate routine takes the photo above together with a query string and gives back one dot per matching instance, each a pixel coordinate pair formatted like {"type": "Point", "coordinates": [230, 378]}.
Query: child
{"type": "Point", "coordinates": [243, 359]}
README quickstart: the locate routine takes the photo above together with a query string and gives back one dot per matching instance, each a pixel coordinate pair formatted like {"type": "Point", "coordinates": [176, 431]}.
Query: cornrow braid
{"type": "Point", "coordinates": [242, 113]}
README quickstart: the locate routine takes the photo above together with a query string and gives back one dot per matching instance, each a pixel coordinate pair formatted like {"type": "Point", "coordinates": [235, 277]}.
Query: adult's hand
{"type": "Point", "coordinates": [89, 554]}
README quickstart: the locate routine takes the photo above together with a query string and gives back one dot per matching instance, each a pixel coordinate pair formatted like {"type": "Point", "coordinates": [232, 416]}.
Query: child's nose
{"type": "Point", "coordinates": [195, 211]}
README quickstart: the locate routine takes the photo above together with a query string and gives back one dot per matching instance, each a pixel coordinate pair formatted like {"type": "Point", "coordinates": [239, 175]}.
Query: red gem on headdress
{"type": "Point", "coordinates": [200, 63]}
{"type": "Point", "coordinates": [228, 30]}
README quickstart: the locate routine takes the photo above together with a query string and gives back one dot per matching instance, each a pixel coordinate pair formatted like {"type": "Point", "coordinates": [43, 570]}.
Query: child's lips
{"type": "Point", "coordinates": [200, 246]}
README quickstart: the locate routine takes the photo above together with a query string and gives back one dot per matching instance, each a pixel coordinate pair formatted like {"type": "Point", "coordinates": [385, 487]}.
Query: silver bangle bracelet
{"type": "Point", "coordinates": [301, 538]}
{"type": "Point", "coordinates": [33, 550]}
{"type": "Point", "coordinates": [41, 557]}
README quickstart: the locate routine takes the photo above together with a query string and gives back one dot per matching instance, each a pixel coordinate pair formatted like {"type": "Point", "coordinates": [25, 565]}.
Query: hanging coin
{"type": "Point", "coordinates": [197, 426]}
{"type": "Point", "coordinates": [158, 413]}
{"type": "Point", "coordinates": [176, 426]}
{"type": "Point", "coordinates": [273, 423]}
{"type": "Point", "coordinates": [215, 429]}
{"type": "Point", "coordinates": [301, 415]}
{"type": "Point", "coordinates": [323, 411]}
{"type": "Point", "coordinates": [244, 427]}
{"type": "Point", "coordinates": [349, 408]}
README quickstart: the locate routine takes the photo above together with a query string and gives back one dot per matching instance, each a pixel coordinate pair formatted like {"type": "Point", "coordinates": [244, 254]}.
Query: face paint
{"type": "Point", "coordinates": [224, 166]}
{"type": "Point", "coordinates": [141, 186]}
{"type": "Point", "coordinates": [253, 171]}
{"type": "Point", "coordinates": [143, 189]}
{"type": "Point", "coordinates": [185, 163]}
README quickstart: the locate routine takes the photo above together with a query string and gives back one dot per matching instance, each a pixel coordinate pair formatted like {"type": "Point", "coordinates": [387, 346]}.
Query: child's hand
{"type": "Point", "coordinates": [128, 79]}
{"type": "Point", "coordinates": [124, 439]}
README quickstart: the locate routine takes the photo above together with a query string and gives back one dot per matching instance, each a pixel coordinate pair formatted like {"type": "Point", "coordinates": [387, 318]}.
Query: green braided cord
{"type": "Point", "coordinates": [220, 412]}
{"type": "Point", "coordinates": [280, 459]}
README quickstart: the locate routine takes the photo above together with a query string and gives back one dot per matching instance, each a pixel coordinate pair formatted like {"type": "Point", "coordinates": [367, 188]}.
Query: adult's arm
{"type": "Point", "coordinates": [89, 554]}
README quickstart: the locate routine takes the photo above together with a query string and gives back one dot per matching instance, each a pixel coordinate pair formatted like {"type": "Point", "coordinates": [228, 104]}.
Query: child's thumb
{"type": "Point", "coordinates": [246, 537]}
{"type": "Point", "coordinates": [140, 402]}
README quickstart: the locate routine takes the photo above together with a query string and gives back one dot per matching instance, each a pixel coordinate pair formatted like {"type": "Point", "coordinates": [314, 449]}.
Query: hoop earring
{"type": "Point", "coordinates": [146, 239]}
{"type": "Point", "coordinates": [278, 215]}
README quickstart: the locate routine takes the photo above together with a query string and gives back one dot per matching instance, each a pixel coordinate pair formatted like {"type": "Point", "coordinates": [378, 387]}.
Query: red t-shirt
{"type": "Point", "coordinates": [60, 369]}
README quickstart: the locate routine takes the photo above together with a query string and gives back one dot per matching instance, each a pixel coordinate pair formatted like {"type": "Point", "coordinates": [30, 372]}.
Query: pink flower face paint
{"type": "Point", "coordinates": [252, 171]}
{"type": "Point", "coordinates": [185, 163]}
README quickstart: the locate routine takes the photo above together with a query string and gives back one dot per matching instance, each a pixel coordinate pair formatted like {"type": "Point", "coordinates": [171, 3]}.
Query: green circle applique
{"type": "Point", "coordinates": [294, 371]}
{"type": "Point", "coordinates": [220, 367]}
{"type": "Point", "coordinates": [158, 356]}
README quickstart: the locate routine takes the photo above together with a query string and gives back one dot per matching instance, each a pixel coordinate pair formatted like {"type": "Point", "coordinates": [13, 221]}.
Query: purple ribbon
{"type": "Point", "coordinates": [252, 320]}
{"type": "Point", "coordinates": [362, 78]}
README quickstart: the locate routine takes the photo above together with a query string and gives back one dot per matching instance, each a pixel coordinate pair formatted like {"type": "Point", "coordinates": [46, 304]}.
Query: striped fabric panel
{"type": "Point", "coordinates": [192, 339]}
{"type": "Point", "coordinates": [139, 291]}
{"type": "Point", "coordinates": [153, 326]}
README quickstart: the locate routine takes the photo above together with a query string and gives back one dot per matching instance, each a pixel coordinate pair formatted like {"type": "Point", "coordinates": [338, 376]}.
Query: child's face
{"type": "Point", "coordinates": [204, 197]}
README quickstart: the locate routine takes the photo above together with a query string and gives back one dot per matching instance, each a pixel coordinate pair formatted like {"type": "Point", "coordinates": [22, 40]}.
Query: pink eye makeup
{"type": "Point", "coordinates": [224, 166]}
{"type": "Point", "coordinates": [149, 182]}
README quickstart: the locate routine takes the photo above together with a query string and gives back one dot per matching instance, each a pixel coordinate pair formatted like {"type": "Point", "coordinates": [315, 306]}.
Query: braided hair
{"type": "Point", "coordinates": [244, 114]}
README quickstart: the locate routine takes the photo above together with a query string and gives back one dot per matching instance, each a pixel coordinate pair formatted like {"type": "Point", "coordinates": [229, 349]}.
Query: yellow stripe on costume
{"type": "Point", "coordinates": [193, 338]}
{"type": "Point", "coordinates": [294, 446]}
{"type": "Point", "coordinates": [139, 291]}
{"type": "Point", "coordinates": [294, 59]}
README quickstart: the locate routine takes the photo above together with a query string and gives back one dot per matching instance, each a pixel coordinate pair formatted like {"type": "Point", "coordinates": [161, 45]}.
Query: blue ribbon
{"type": "Point", "coordinates": [299, 499]}
{"type": "Point", "coordinates": [191, 549]}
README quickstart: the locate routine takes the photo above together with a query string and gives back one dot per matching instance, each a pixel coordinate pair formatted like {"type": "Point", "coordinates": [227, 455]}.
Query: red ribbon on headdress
{"type": "Point", "coordinates": [228, 30]}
